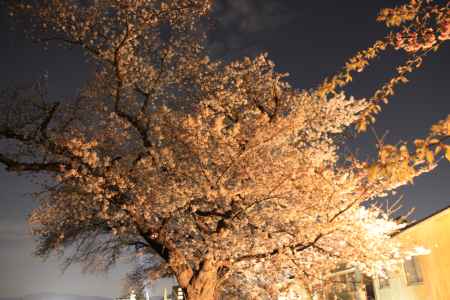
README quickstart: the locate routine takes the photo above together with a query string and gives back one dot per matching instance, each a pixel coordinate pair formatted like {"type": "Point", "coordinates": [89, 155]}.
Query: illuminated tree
{"type": "Point", "coordinates": [233, 178]}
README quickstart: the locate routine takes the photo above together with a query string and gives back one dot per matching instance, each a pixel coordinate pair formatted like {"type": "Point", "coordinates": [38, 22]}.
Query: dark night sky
{"type": "Point", "coordinates": [308, 39]}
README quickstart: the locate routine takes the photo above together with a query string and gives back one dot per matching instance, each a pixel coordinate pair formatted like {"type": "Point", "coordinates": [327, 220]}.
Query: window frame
{"type": "Point", "coordinates": [415, 278]}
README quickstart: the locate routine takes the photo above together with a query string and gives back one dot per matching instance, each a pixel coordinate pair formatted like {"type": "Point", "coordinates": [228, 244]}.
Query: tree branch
{"type": "Point", "coordinates": [296, 247]}
{"type": "Point", "coordinates": [43, 128]}
{"type": "Point", "coordinates": [15, 166]}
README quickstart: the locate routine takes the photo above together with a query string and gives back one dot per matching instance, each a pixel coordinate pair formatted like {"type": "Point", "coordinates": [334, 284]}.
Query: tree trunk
{"type": "Point", "coordinates": [197, 284]}
{"type": "Point", "coordinates": [202, 285]}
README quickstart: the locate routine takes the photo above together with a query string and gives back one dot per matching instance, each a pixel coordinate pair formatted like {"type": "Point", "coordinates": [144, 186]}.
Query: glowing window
{"type": "Point", "coordinates": [413, 271]}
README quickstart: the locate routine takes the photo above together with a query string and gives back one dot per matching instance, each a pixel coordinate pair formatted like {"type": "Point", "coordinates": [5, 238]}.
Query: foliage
{"type": "Point", "coordinates": [230, 175]}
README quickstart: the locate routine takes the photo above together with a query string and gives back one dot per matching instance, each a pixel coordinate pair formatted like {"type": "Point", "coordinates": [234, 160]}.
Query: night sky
{"type": "Point", "coordinates": [308, 39]}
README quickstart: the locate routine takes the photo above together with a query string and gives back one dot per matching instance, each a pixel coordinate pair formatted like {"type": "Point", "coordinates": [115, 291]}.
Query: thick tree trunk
{"type": "Point", "coordinates": [198, 284]}
{"type": "Point", "coordinates": [203, 284]}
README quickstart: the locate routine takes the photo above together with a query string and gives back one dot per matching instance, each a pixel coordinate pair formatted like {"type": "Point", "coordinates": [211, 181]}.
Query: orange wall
{"type": "Point", "coordinates": [434, 234]}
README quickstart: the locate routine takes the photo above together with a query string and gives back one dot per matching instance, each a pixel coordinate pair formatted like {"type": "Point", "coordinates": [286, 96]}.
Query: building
{"type": "Point", "coordinates": [425, 277]}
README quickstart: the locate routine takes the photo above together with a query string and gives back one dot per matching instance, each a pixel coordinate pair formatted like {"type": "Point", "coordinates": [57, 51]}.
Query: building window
{"type": "Point", "coordinates": [412, 271]}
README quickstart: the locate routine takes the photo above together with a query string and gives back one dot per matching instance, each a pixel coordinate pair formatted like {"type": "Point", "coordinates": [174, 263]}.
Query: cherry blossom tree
{"type": "Point", "coordinates": [232, 178]}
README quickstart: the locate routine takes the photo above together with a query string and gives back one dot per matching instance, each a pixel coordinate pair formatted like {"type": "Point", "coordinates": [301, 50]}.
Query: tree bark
{"type": "Point", "coordinates": [198, 284]}
{"type": "Point", "coordinates": [202, 285]}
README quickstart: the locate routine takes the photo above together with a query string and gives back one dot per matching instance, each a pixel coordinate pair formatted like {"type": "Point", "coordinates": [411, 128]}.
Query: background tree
{"type": "Point", "coordinates": [232, 177]}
